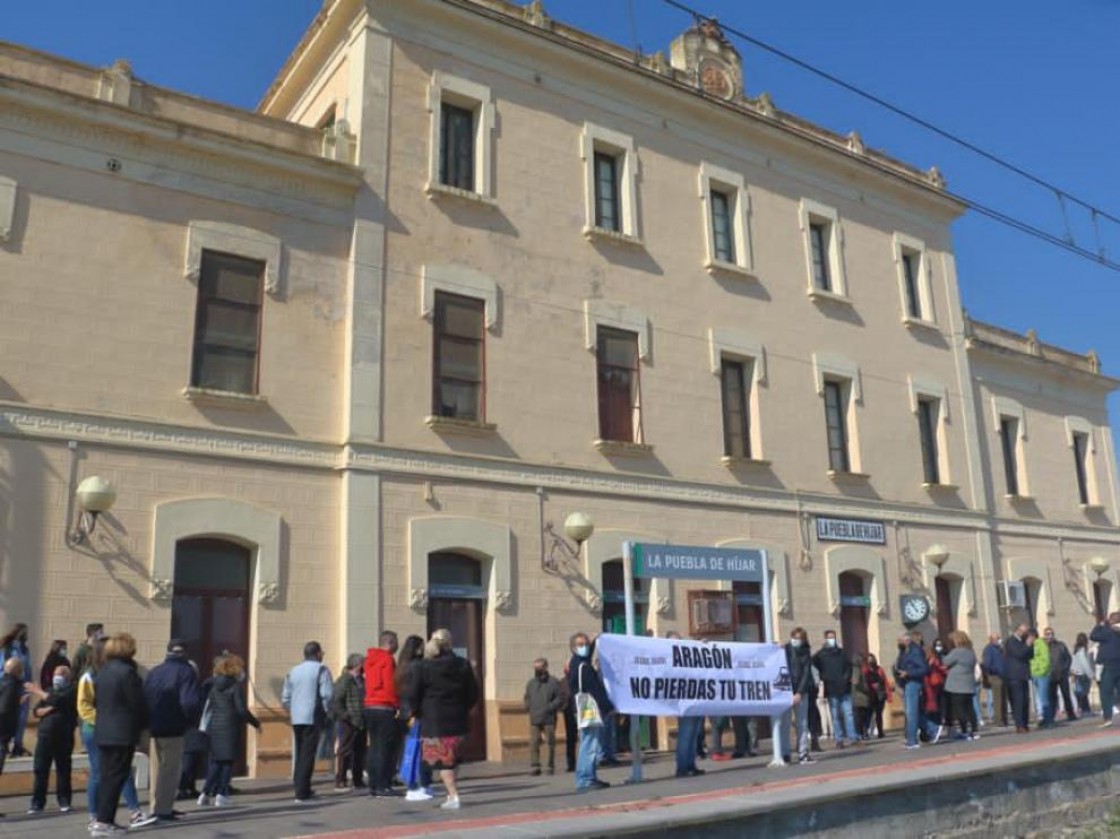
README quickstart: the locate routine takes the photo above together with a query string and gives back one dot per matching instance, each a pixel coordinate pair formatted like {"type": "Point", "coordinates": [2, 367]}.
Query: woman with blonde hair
{"type": "Point", "coordinates": [225, 715]}
{"type": "Point", "coordinates": [442, 692]}
{"type": "Point", "coordinates": [960, 683]}
{"type": "Point", "coordinates": [122, 715]}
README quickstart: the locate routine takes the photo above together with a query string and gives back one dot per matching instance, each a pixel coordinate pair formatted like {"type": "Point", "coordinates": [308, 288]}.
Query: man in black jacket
{"type": "Point", "coordinates": [1060, 663]}
{"type": "Point", "coordinates": [173, 695]}
{"type": "Point", "coordinates": [799, 662]}
{"type": "Point", "coordinates": [54, 742]}
{"type": "Point", "coordinates": [543, 699]}
{"type": "Point", "coordinates": [836, 675]}
{"type": "Point", "coordinates": [1107, 635]}
{"type": "Point", "coordinates": [12, 691]}
{"type": "Point", "coordinates": [1017, 674]}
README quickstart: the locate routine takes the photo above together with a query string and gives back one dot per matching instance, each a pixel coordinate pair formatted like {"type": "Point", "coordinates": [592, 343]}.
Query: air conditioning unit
{"type": "Point", "coordinates": [1012, 594]}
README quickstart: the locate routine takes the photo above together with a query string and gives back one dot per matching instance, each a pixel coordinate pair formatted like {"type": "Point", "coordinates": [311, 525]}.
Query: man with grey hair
{"type": "Point", "coordinates": [346, 711]}
{"type": "Point", "coordinates": [543, 699]}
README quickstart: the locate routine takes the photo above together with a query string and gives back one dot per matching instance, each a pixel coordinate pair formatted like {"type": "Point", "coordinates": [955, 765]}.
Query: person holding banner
{"type": "Point", "coordinates": [800, 665]}
{"type": "Point", "coordinates": [593, 709]}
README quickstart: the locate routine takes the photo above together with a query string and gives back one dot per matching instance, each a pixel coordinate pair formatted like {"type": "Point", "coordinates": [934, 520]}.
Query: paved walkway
{"type": "Point", "coordinates": [504, 801]}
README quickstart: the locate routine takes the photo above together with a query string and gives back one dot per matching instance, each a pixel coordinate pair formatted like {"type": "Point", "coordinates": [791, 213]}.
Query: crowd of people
{"type": "Point", "coordinates": [400, 712]}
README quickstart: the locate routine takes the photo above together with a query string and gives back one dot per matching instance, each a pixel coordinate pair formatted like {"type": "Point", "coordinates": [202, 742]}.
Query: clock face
{"type": "Point", "coordinates": [915, 610]}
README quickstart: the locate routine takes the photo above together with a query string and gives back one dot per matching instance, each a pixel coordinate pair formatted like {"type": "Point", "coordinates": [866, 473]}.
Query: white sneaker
{"type": "Point", "coordinates": [937, 735]}
{"type": "Point", "coordinates": [418, 795]}
{"type": "Point", "coordinates": [222, 801]}
{"type": "Point", "coordinates": [450, 804]}
{"type": "Point", "coordinates": [205, 800]}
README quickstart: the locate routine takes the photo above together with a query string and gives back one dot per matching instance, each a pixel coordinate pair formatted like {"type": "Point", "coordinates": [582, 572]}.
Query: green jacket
{"type": "Point", "coordinates": [1040, 661]}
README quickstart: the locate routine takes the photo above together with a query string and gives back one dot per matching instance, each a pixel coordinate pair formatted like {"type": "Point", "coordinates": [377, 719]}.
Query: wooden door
{"type": "Point", "coordinates": [463, 618]}
{"type": "Point", "coordinates": [854, 614]}
{"type": "Point", "coordinates": [946, 620]}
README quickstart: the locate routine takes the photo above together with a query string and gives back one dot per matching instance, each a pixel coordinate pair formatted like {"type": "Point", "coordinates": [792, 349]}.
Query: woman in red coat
{"type": "Point", "coordinates": [934, 685]}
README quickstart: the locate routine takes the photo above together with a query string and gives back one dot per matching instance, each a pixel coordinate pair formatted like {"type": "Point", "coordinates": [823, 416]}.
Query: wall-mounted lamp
{"type": "Point", "coordinates": [578, 527]}
{"type": "Point", "coordinates": [1099, 565]}
{"type": "Point", "coordinates": [937, 555]}
{"type": "Point", "coordinates": [95, 496]}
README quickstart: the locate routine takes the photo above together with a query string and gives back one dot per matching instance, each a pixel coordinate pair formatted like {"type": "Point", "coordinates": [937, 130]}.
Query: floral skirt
{"type": "Point", "coordinates": [440, 752]}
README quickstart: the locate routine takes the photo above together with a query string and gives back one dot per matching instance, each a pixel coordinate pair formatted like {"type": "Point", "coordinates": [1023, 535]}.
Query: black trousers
{"type": "Point", "coordinates": [351, 758]}
{"type": "Point", "coordinates": [571, 736]}
{"type": "Point", "coordinates": [1019, 693]}
{"type": "Point", "coordinates": [192, 763]}
{"type": "Point", "coordinates": [964, 711]}
{"type": "Point", "coordinates": [1061, 685]}
{"type": "Point", "coordinates": [307, 743]}
{"type": "Point", "coordinates": [384, 734]}
{"type": "Point", "coordinates": [54, 746]}
{"type": "Point", "coordinates": [116, 764]}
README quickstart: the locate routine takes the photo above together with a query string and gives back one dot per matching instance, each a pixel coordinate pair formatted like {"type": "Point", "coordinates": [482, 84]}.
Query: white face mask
{"type": "Point", "coordinates": [58, 682]}
{"type": "Point", "coordinates": [830, 642]}
{"type": "Point", "coordinates": [582, 651]}
{"type": "Point", "coordinates": [795, 642]}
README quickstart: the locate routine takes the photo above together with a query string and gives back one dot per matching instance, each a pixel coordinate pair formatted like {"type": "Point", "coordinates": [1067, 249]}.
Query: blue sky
{"type": "Point", "coordinates": [1030, 80]}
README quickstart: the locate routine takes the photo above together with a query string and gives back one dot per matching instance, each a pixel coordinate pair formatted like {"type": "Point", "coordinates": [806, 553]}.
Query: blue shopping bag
{"type": "Point", "coordinates": [409, 772]}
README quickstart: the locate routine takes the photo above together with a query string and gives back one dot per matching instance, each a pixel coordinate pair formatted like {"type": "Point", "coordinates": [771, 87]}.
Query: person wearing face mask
{"type": "Point", "coordinates": [55, 658]}
{"type": "Point", "coordinates": [800, 665]}
{"type": "Point", "coordinates": [1107, 636]}
{"type": "Point", "coordinates": [1016, 668]}
{"type": "Point", "coordinates": [880, 690]}
{"type": "Point", "coordinates": [83, 658]}
{"type": "Point", "coordinates": [14, 645]}
{"type": "Point", "coordinates": [543, 700]}
{"type": "Point", "coordinates": [836, 675]}
{"type": "Point", "coordinates": [910, 671]}
{"type": "Point", "coordinates": [934, 686]}
{"type": "Point", "coordinates": [57, 714]}
{"type": "Point", "coordinates": [584, 678]}
{"type": "Point", "coordinates": [227, 714]}
{"type": "Point", "coordinates": [1040, 679]}
{"type": "Point", "coordinates": [992, 669]}
{"type": "Point", "coordinates": [173, 696]}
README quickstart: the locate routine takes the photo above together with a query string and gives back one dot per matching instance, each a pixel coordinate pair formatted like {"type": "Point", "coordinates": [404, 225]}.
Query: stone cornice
{"type": "Point", "coordinates": [21, 421]}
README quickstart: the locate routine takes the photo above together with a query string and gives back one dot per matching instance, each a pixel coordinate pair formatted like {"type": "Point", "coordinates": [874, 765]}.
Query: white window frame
{"type": "Point", "coordinates": [734, 186]}
{"type": "Point", "coordinates": [812, 212]}
{"type": "Point", "coordinates": [836, 368]}
{"type": "Point", "coordinates": [595, 138]}
{"type": "Point", "coordinates": [1002, 407]}
{"type": "Point", "coordinates": [739, 346]}
{"type": "Point", "coordinates": [1080, 425]}
{"type": "Point", "coordinates": [465, 94]}
{"type": "Point", "coordinates": [920, 388]}
{"type": "Point", "coordinates": [903, 245]}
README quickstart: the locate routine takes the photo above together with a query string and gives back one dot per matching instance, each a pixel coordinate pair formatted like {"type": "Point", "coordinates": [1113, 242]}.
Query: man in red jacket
{"type": "Point", "coordinates": [380, 713]}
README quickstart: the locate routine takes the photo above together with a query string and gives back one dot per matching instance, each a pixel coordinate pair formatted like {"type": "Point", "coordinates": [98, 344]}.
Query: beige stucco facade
{"type": "Point", "coordinates": [336, 476]}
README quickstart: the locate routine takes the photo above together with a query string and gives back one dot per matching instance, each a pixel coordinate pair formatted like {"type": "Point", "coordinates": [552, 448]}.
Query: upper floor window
{"type": "Point", "coordinates": [1009, 444]}
{"type": "Point", "coordinates": [928, 424]}
{"type": "Point", "coordinates": [735, 380]}
{"type": "Point", "coordinates": [227, 323]}
{"type": "Point", "coordinates": [1079, 435]}
{"type": "Point", "coordinates": [1081, 466]}
{"type": "Point", "coordinates": [913, 280]}
{"type": "Point", "coordinates": [616, 355]}
{"type": "Point", "coordinates": [456, 148]}
{"type": "Point", "coordinates": [723, 238]}
{"type": "Point", "coordinates": [823, 240]}
{"type": "Point", "coordinates": [836, 426]}
{"type": "Point", "coordinates": [726, 205]}
{"type": "Point", "coordinates": [462, 129]}
{"type": "Point", "coordinates": [458, 381]}
{"type": "Point", "coordinates": [610, 165]}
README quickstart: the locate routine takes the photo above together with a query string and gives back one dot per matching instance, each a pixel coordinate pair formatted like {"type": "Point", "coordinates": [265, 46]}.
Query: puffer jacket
{"type": "Point", "coordinates": [228, 714]}
{"type": "Point", "coordinates": [122, 713]}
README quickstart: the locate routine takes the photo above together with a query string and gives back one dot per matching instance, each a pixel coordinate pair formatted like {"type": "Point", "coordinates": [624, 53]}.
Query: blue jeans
{"type": "Point", "coordinates": [688, 731]}
{"type": "Point", "coordinates": [131, 800]}
{"type": "Point", "coordinates": [976, 704]}
{"type": "Point", "coordinates": [590, 750]}
{"type": "Point", "coordinates": [842, 720]}
{"type": "Point", "coordinates": [610, 738]}
{"type": "Point", "coordinates": [989, 705]}
{"type": "Point", "coordinates": [912, 702]}
{"type": "Point", "coordinates": [798, 716]}
{"type": "Point", "coordinates": [1042, 699]}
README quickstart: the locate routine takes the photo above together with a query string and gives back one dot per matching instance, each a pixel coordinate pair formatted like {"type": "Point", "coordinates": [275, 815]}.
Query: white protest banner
{"type": "Point", "coordinates": [673, 678]}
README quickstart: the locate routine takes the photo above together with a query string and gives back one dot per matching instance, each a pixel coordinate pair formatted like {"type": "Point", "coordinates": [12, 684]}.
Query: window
{"type": "Point", "coordinates": [610, 165]}
{"type": "Point", "coordinates": [607, 209]}
{"type": "Point", "coordinates": [819, 234]}
{"type": "Point", "coordinates": [227, 323]}
{"type": "Point", "coordinates": [726, 205]}
{"type": "Point", "coordinates": [735, 379]}
{"type": "Point", "coordinates": [1080, 463]}
{"type": "Point", "coordinates": [619, 400]}
{"type": "Point", "coordinates": [823, 241]}
{"type": "Point", "coordinates": [462, 138]}
{"type": "Point", "coordinates": [1009, 441]}
{"type": "Point", "coordinates": [457, 379]}
{"type": "Point", "coordinates": [910, 280]}
{"type": "Point", "coordinates": [836, 424]}
{"type": "Point", "coordinates": [928, 410]}
{"type": "Point", "coordinates": [456, 148]}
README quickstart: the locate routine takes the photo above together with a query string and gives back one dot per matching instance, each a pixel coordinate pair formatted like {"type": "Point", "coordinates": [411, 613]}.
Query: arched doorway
{"type": "Point", "coordinates": [1032, 588]}
{"type": "Point", "coordinates": [457, 602]}
{"type": "Point", "coordinates": [947, 590]}
{"type": "Point", "coordinates": [1102, 590]}
{"type": "Point", "coordinates": [614, 600]}
{"type": "Point", "coordinates": [855, 610]}
{"type": "Point", "coordinates": [210, 606]}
